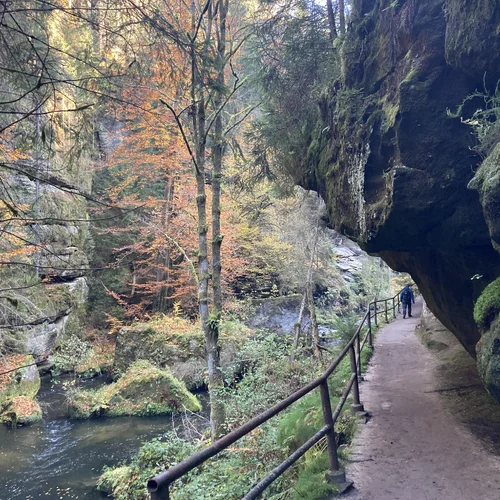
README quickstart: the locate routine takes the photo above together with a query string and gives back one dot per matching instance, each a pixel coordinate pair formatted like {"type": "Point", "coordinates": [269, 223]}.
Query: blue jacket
{"type": "Point", "coordinates": [405, 299]}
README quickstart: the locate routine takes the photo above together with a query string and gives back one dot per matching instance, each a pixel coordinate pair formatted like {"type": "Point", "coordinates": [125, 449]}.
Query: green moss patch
{"type": "Point", "coordinates": [21, 380]}
{"type": "Point", "coordinates": [20, 410]}
{"type": "Point", "coordinates": [144, 389]}
{"type": "Point", "coordinates": [488, 305]}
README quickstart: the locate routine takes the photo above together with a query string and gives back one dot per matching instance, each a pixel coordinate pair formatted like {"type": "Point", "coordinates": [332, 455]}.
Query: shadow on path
{"type": "Point", "coordinates": [414, 448]}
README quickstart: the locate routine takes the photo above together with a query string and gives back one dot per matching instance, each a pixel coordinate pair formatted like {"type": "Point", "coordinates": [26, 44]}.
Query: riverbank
{"type": "Point", "coordinates": [61, 458]}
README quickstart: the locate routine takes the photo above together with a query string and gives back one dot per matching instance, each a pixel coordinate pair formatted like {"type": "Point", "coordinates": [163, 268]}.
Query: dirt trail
{"type": "Point", "coordinates": [413, 448]}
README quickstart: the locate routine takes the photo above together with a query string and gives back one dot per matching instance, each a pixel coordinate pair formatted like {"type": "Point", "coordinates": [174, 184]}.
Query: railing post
{"type": "Point", "coordinates": [327, 416]}
{"type": "Point", "coordinates": [161, 494]}
{"type": "Point", "coordinates": [375, 311]}
{"type": "Point", "coordinates": [358, 352]}
{"type": "Point", "coordinates": [370, 337]}
{"type": "Point", "coordinates": [356, 406]}
{"type": "Point", "coordinates": [399, 302]}
{"type": "Point", "coordinates": [394, 308]}
{"type": "Point", "coordinates": [334, 475]}
{"type": "Point", "coordinates": [386, 317]}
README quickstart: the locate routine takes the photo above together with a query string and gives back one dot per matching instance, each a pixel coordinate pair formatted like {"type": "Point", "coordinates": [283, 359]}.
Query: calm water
{"type": "Point", "coordinates": [61, 459]}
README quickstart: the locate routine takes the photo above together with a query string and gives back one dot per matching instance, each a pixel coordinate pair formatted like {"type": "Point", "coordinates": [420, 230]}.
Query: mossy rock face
{"type": "Point", "coordinates": [472, 35]}
{"type": "Point", "coordinates": [20, 410]}
{"type": "Point", "coordinates": [394, 168]}
{"type": "Point", "coordinates": [488, 305]}
{"type": "Point", "coordinates": [487, 183]}
{"type": "Point", "coordinates": [63, 257]}
{"type": "Point", "coordinates": [488, 358]}
{"type": "Point", "coordinates": [144, 389]}
{"type": "Point", "coordinates": [25, 381]}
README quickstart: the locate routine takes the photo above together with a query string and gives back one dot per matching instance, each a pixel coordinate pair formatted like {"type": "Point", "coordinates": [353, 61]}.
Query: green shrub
{"type": "Point", "coordinates": [69, 354]}
{"type": "Point", "coordinates": [229, 476]}
{"type": "Point", "coordinates": [268, 376]}
{"type": "Point", "coordinates": [488, 305]}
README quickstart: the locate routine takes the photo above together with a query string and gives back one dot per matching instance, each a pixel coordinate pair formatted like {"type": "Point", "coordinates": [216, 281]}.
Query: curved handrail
{"type": "Point", "coordinates": [158, 486]}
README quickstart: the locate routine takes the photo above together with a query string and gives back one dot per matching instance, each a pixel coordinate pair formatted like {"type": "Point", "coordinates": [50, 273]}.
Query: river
{"type": "Point", "coordinates": [60, 458]}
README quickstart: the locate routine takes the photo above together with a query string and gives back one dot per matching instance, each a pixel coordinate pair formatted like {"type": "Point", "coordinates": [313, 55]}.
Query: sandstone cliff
{"type": "Point", "coordinates": [394, 168]}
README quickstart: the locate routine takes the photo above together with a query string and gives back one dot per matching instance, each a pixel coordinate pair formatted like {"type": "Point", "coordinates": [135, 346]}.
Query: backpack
{"type": "Point", "coordinates": [406, 295]}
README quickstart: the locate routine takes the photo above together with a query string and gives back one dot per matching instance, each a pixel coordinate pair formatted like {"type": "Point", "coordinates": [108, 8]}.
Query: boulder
{"type": "Point", "coordinates": [144, 389]}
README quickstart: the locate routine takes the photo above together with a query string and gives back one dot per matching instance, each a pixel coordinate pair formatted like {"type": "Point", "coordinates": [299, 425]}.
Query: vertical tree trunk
{"type": "Point", "coordinates": [217, 380]}
{"type": "Point", "coordinates": [297, 328]}
{"type": "Point", "coordinates": [342, 16]}
{"type": "Point", "coordinates": [163, 260]}
{"type": "Point", "coordinates": [331, 20]}
{"type": "Point", "coordinates": [314, 321]}
{"type": "Point", "coordinates": [209, 322]}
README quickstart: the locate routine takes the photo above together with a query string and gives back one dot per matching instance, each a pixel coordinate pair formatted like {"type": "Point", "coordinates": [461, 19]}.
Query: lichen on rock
{"type": "Point", "coordinates": [144, 389]}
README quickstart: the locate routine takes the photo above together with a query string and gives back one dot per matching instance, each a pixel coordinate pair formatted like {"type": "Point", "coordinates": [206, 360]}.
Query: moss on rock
{"type": "Point", "coordinates": [487, 183]}
{"type": "Point", "coordinates": [488, 305]}
{"type": "Point", "coordinates": [22, 380]}
{"type": "Point", "coordinates": [488, 359]}
{"type": "Point", "coordinates": [144, 389]}
{"type": "Point", "coordinates": [115, 481]}
{"type": "Point", "coordinates": [20, 410]}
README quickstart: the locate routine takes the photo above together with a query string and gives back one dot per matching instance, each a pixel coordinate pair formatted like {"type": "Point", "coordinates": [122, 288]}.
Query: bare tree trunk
{"type": "Point", "coordinates": [297, 328]}
{"type": "Point", "coordinates": [342, 16]}
{"type": "Point", "coordinates": [331, 20]}
{"type": "Point", "coordinates": [163, 260]}
{"type": "Point", "coordinates": [314, 321]}
{"type": "Point", "coordinates": [218, 414]}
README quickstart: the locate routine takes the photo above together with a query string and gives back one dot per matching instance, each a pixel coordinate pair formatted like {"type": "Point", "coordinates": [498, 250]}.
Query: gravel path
{"type": "Point", "coordinates": [413, 448]}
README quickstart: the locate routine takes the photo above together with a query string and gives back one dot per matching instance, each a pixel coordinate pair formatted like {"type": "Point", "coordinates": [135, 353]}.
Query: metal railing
{"type": "Point", "coordinates": [159, 485]}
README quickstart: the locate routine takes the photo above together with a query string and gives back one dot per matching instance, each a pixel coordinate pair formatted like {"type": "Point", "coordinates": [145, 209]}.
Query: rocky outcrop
{"type": "Point", "coordinates": [143, 389]}
{"type": "Point", "coordinates": [487, 183]}
{"type": "Point", "coordinates": [394, 168]}
{"type": "Point", "coordinates": [45, 292]}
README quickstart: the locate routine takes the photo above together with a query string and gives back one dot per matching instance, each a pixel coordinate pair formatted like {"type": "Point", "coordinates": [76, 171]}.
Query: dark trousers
{"type": "Point", "coordinates": [406, 305]}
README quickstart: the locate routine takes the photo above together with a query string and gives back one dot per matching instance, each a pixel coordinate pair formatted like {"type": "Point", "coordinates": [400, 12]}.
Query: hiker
{"type": "Point", "coordinates": [407, 298]}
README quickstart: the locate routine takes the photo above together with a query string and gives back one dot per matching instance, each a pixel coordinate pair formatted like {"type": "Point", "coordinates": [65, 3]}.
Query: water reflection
{"type": "Point", "coordinates": [61, 459]}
